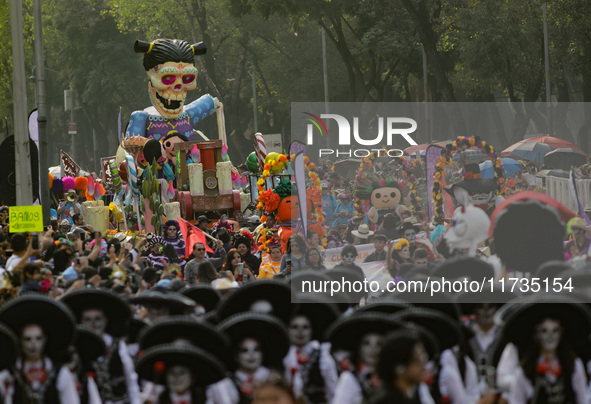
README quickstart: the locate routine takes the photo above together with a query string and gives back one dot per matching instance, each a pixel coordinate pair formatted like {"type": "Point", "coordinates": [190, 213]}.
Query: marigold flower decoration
{"type": "Point", "coordinates": [459, 145]}
{"type": "Point", "coordinates": [314, 194]}
{"type": "Point", "coordinates": [282, 158]}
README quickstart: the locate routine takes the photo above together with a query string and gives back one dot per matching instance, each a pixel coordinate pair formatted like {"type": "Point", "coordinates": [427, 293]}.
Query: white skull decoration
{"type": "Point", "coordinates": [470, 228]}
{"type": "Point", "coordinates": [168, 86]}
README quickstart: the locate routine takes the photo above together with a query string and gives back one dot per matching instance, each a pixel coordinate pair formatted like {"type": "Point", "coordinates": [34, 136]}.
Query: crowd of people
{"type": "Point", "coordinates": [123, 318]}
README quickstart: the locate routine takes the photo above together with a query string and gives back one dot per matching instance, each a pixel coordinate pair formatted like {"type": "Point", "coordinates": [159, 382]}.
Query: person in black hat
{"type": "Point", "coordinates": [107, 315]}
{"type": "Point", "coordinates": [45, 329]}
{"type": "Point", "coordinates": [259, 342]}
{"type": "Point", "coordinates": [158, 303]}
{"type": "Point", "coordinates": [550, 332]}
{"type": "Point", "coordinates": [309, 366]}
{"type": "Point", "coordinates": [89, 346]}
{"type": "Point", "coordinates": [156, 256]}
{"type": "Point", "coordinates": [185, 331]}
{"type": "Point", "coordinates": [185, 370]}
{"type": "Point", "coordinates": [205, 297]}
{"type": "Point", "coordinates": [362, 335]}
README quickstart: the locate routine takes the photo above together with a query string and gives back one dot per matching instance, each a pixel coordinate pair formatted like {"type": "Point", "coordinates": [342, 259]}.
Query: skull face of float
{"type": "Point", "coordinates": [168, 86]}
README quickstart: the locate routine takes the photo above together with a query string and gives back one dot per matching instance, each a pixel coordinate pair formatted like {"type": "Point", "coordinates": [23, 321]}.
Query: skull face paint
{"type": "Point", "coordinates": [250, 356]}
{"type": "Point", "coordinates": [548, 334]}
{"type": "Point", "coordinates": [168, 86]}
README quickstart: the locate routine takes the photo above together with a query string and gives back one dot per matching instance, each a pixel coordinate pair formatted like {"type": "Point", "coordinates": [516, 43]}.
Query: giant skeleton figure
{"type": "Point", "coordinates": [170, 66]}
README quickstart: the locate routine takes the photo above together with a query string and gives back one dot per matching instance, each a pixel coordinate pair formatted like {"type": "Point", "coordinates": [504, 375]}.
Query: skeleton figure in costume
{"type": "Point", "coordinates": [550, 339]}
{"type": "Point", "coordinates": [170, 66]}
{"type": "Point", "coordinates": [260, 341]}
{"type": "Point", "coordinates": [45, 328]}
{"type": "Point", "coordinates": [107, 314]}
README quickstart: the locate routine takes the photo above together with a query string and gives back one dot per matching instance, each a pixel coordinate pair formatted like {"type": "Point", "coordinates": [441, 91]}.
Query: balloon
{"type": "Point", "coordinates": [274, 169]}
{"type": "Point", "coordinates": [251, 163]}
{"type": "Point", "coordinates": [123, 171]}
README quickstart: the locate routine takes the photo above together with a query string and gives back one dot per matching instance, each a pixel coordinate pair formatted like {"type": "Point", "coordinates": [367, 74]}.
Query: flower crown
{"type": "Point", "coordinates": [401, 243]}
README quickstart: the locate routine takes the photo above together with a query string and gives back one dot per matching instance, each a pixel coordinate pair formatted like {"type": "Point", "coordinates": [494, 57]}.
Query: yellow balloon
{"type": "Point", "coordinates": [273, 156]}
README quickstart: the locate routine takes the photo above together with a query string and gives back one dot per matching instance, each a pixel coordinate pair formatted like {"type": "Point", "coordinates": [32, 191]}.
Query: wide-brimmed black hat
{"type": "Point", "coordinates": [464, 267]}
{"type": "Point", "coordinates": [8, 347]}
{"type": "Point", "coordinates": [574, 316]}
{"type": "Point", "coordinates": [206, 369]}
{"type": "Point", "coordinates": [385, 304]}
{"type": "Point", "coordinates": [302, 282]}
{"type": "Point", "coordinates": [176, 303]}
{"type": "Point", "coordinates": [268, 330]}
{"type": "Point", "coordinates": [552, 269]}
{"type": "Point", "coordinates": [200, 334]}
{"type": "Point", "coordinates": [528, 233]}
{"type": "Point", "coordinates": [204, 295]}
{"type": "Point", "coordinates": [134, 328]}
{"type": "Point", "coordinates": [439, 301]}
{"type": "Point", "coordinates": [278, 294]}
{"type": "Point", "coordinates": [347, 332]}
{"type": "Point", "coordinates": [54, 317]}
{"type": "Point", "coordinates": [349, 275]}
{"type": "Point", "coordinates": [473, 182]}
{"type": "Point", "coordinates": [115, 308]}
{"type": "Point", "coordinates": [89, 345]}
{"type": "Point", "coordinates": [448, 332]}
{"type": "Point", "coordinates": [469, 300]}
{"type": "Point", "coordinates": [319, 310]}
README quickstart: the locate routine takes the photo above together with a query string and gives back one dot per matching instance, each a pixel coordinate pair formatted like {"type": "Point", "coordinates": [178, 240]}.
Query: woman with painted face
{"type": "Point", "coordinates": [184, 370]}
{"type": "Point", "coordinates": [398, 254]}
{"type": "Point", "coordinates": [309, 366]}
{"type": "Point", "coordinates": [362, 335]}
{"type": "Point", "coordinates": [156, 256]}
{"type": "Point", "coordinates": [259, 341]}
{"type": "Point", "coordinates": [107, 315]}
{"type": "Point", "coordinates": [174, 237]}
{"type": "Point", "coordinates": [45, 328]}
{"type": "Point", "coordinates": [550, 332]}
{"type": "Point", "coordinates": [348, 257]}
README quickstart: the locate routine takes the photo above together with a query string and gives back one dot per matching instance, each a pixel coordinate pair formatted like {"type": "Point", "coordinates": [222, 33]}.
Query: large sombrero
{"type": "Point", "coordinates": [203, 295]}
{"type": "Point", "coordinates": [528, 233]}
{"type": "Point", "coordinates": [8, 347]}
{"type": "Point", "coordinates": [278, 294]}
{"type": "Point", "coordinates": [574, 316]}
{"type": "Point", "coordinates": [89, 345]}
{"type": "Point", "coordinates": [468, 300]}
{"type": "Point", "coordinates": [175, 302]}
{"type": "Point", "coordinates": [385, 304]}
{"type": "Point", "coordinates": [448, 332]}
{"type": "Point", "coordinates": [347, 332]}
{"type": "Point", "coordinates": [200, 334]}
{"type": "Point", "coordinates": [552, 269]}
{"type": "Point", "coordinates": [52, 316]}
{"type": "Point", "coordinates": [206, 369]}
{"type": "Point", "coordinates": [473, 182]}
{"type": "Point", "coordinates": [319, 310]}
{"type": "Point", "coordinates": [342, 274]}
{"type": "Point", "coordinates": [304, 281]}
{"type": "Point", "coordinates": [438, 301]}
{"type": "Point", "coordinates": [464, 267]}
{"type": "Point", "coordinates": [115, 308]}
{"type": "Point", "coordinates": [268, 330]}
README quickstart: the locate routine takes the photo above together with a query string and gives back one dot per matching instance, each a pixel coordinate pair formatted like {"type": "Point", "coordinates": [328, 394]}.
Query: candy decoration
{"type": "Point", "coordinates": [69, 183]}
{"type": "Point", "coordinates": [90, 186]}
{"type": "Point", "coordinates": [195, 154]}
{"type": "Point", "coordinates": [115, 176]}
{"type": "Point", "coordinates": [123, 171]}
{"type": "Point", "coordinates": [170, 192]}
{"type": "Point", "coordinates": [261, 150]}
{"type": "Point", "coordinates": [132, 176]}
{"type": "Point", "coordinates": [225, 153]}
{"type": "Point", "coordinates": [251, 163]}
